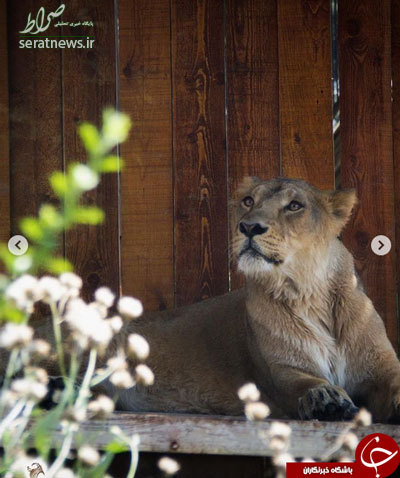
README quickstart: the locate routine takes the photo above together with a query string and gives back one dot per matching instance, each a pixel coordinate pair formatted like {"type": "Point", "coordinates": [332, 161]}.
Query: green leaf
{"type": "Point", "coordinates": [50, 217]}
{"type": "Point", "coordinates": [90, 137]}
{"type": "Point", "coordinates": [89, 215]}
{"type": "Point", "coordinates": [110, 164]}
{"type": "Point", "coordinates": [42, 428]}
{"type": "Point", "coordinates": [10, 313]}
{"type": "Point", "coordinates": [58, 265]}
{"type": "Point", "coordinates": [116, 447]}
{"type": "Point", "coordinates": [31, 228]}
{"type": "Point", "coordinates": [6, 257]}
{"type": "Point", "coordinates": [59, 183]}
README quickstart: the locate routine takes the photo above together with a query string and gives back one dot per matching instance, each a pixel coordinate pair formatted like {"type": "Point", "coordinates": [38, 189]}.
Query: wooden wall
{"type": "Point", "coordinates": [217, 90]}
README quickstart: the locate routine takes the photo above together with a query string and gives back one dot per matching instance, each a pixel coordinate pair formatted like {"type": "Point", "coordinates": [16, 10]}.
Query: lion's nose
{"type": "Point", "coordinates": [251, 230]}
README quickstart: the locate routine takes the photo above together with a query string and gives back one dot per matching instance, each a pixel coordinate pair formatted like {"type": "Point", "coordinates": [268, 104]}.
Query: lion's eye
{"type": "Point", "coordinates": [294, 206]}
{"type": "Point", "coordinates": [248, 201]}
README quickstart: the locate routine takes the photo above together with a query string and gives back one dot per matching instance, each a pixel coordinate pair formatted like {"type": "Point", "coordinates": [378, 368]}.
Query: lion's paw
{"type": "Point", "coordinates": [326, 403]}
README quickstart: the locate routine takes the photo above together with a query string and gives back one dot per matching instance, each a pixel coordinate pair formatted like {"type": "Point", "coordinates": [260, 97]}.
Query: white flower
{"type": "Point", "coordinates": [129, 307]}
{"type": "Point", "coordinates": [104, 296]}
{"type": "Point", "coordinates": [84, 177]}
{"type": "Point", "coordinates": [138, 346]}
{"type": "Point", "coordinates": [51, 289]}
{"type": "Point", "coordinates": [39, 348]}
{"type": "Point", "coordinates": [116, 430]}
{"type": "Point", "coordinates": [101, 407]}
{"type": "Point", "coordinates": [279, 429]}
{"type": "Point", "coordinates": [36, 373]}
{"type": "Point", "coordinates": [118, 362]}
{"type": "Point", "coordinates": [278, 445]}
{"type": "Point", "coordinates": [116, 127]}
{"type": "Point", "coordinates": [73, 414]}
{"type": "Point", "coordinates": [71, 280]}
{"type": "Point", "coordinates": [87, 325]}
{"type": "Point", "coordinates": [115, 323]}
{"type": "Point", "coordinates": [65, 473]}
{"type": "Point", "coordinates": [8, 398]}
{"type": "Point", "coordinates": [24, 292]}
{"type": "Point", "coordinates": [15, 335]}
{"type": "Point", "coordinates": [363, 418]}
{"type": "Point", "coordinates": [88, 455]}
{"type": "Point", "coordinates": [144, 375]}
{"type": "Point", "coordinates": [168, 465]}
{"type": "Point", "coordinates": [256, 411]}
{"type": "Point", "coordinates": [249, 393]}
{"type": "Point", "coordinates": [350, 441]}
{"type": "Point", "coordinates": [29, 389]}
{"type": "Point", "coordinates": [99, 308]}
{"type": "Point", "coordinates": [122, 379]}
{"type": "Point", "coordinates": [281, 459]}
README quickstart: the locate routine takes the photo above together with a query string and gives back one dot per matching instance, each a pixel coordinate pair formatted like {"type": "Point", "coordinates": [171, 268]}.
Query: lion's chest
{"type": "Point", "coordinates": [322, 351]}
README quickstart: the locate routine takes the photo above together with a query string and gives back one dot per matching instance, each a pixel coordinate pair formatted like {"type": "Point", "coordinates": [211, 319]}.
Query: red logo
{"type": "Point", "coordinates": [378, 455]}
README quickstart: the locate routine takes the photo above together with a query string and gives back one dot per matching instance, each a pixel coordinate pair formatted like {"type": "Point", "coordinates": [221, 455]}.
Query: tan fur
{"type": "Point", "coordinates": [303, 329]}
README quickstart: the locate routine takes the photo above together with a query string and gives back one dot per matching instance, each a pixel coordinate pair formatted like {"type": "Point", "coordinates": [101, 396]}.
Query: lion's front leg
{"type": "Point", "coordinates": [309, 397]}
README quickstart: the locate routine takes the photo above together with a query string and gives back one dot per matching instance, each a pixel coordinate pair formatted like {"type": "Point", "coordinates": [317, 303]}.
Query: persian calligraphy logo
{"type": "Point", "coordinates": [65, 38]}
{"type": "Point", "coordinates": [42, 21]}
{"type": "Point", "coordinates": [35, 470]}
{"type": "Point", "coordinates": [379, 455]}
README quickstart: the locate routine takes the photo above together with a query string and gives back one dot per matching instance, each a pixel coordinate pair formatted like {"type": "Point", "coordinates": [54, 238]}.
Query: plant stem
{"type": "Point", "coordinates": [85, 387]}
{"type": "Point", "coordinates": [11, 416]}
{"type": "Point", "coordinates": [134, 461]}
{"type": "Point", "coordinates": [25, 418]}
{"type": "Point", "coordinates": [65, 448]}
{"type": "Point", "coordinates": [58, 338]}
{"type": "Point", "coordinates": [9, 373]}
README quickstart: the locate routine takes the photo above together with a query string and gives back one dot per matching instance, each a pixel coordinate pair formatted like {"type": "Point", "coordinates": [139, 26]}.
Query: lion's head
{"type": "Point", "coordinates": [276, 221]}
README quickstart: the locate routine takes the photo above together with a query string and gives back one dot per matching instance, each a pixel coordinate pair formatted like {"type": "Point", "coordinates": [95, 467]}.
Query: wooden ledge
{"type": "Point", "coordinates": [217, 435]}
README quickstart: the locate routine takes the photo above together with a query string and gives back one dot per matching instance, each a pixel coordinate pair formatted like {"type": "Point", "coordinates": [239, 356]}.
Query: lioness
{"type": "Point", "coordinates": [303, 329]}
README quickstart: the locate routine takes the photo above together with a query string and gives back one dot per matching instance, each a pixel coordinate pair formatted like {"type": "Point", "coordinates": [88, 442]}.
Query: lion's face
{"type": "Point", "coordinates": [274, 220]}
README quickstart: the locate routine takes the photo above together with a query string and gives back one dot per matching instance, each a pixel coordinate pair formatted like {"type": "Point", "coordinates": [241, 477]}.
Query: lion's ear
{"type": "Point", "coordinates": [247, 183]}
{"type": "Point", "coordinates": [341, 203]}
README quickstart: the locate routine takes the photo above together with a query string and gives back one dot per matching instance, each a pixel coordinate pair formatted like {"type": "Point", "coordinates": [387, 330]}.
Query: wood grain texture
{"type": "Point", "coordinates": [366, 144]}
{"type": "Point", "coordinates": [395, 59]}
{"type": "Point", "coordinates": [305, 91]}
{"type": "Point", "coordinates": [89, 85]}
{"type": "Point", "coordinates": [35, 114]}
{"type": "Point", "coordinates": [200, 176]}
{"type": "Point", "coordinates": [179, 433]}
{"type": "Point", "coordinates": [146, 183]}
{"type": "Point", "coordinates": [4, 129]}
{"type": "Point", "coordinates": [252, 94]}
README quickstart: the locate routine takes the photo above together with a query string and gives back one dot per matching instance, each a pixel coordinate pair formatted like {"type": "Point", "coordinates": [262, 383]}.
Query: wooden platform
{"type": "Point", "coordinates": [222, 435]}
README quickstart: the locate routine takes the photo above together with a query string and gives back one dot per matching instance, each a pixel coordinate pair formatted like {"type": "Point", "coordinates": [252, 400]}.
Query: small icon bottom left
{"type": "Point", "coordinates": [18, 245]}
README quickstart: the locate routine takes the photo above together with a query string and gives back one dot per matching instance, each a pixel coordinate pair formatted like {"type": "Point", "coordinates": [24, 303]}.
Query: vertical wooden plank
{"type": "Point", "coordinates": [366, 144]}
{"type": "Point", "coordinates": [252, 93]}
{"type": "Point", "coordinates": [35, 114]}
{"type": "Point", "coordinates": [89, 85]}
{"type": "Point", "coordinates": [146, 183]}
{"type": "Point", "coordinates": [395, 40]}
{"type": "Point", "coordinates": [201, 243]}
{"type": "Point", "coordinates": [4, 130]}
{"type": "Point", "coordinates": [305, 90]}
